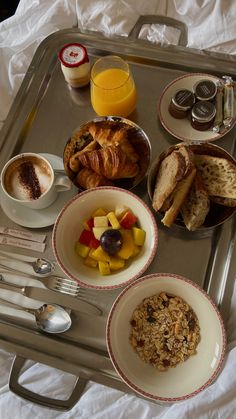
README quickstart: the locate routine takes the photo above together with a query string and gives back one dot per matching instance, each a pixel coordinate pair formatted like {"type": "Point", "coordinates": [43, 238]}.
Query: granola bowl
{"type": "Point", "coordinates": [169, 347]}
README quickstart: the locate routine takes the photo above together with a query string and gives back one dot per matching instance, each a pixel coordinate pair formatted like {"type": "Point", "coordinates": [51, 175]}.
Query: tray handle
{"type": "Point", "coordinates": [162, 20]}
{"type": "Point", "coordinates": [23, 392]}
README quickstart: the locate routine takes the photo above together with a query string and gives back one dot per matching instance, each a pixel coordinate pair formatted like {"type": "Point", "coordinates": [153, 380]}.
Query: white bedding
{"type": "Point", "coordinates": [211, 25]}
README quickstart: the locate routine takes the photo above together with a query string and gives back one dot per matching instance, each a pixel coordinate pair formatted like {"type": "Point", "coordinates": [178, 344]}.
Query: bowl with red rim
{"type": "Point", "coordinates": [187, 378]}
{"type": "Point", "coordinates": [70, 225]}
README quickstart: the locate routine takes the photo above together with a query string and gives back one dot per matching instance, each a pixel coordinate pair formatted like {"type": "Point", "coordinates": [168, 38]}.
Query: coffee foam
{"type": "Point", "coordinates": [36, 181]}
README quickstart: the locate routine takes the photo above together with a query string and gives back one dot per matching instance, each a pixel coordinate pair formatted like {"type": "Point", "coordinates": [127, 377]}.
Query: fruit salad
{"type": "Point", "coordinates": [109, 239]}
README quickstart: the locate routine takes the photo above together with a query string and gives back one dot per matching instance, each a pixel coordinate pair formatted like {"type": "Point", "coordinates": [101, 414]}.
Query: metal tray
{"type": "Point", "coordinates": [44, 114]}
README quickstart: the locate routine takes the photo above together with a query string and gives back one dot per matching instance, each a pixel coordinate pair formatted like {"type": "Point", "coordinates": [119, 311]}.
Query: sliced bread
{"type": "Point", "coordinates": [179, 195]}
{"type": "Point", "coordinates": [218, 175]}
{"type": "Point", "coordinates": [171, 170]}
{"type": "Point", "coordinates": [227, 202]}
{"type": "Point", "coordinates": [196, 205]}
{"type": "Point", "coordinates": [188, 156]}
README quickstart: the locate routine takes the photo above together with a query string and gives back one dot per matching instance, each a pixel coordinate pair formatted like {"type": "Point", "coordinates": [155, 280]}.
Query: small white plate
{"type": "Point", "coordinates": [28, 217]}
{"type": "Point", "coordinates": [182, 128]}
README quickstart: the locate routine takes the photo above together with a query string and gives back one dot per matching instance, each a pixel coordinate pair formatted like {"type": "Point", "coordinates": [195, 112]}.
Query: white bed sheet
{"type": "Point", "coordinates": [211, 25]}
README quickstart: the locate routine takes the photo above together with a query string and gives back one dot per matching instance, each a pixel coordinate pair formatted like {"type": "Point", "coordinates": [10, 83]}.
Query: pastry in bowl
{"type": "Point", "coordinates": [108, 151]}
{"type": "Point", "coordinates": [193, 185]}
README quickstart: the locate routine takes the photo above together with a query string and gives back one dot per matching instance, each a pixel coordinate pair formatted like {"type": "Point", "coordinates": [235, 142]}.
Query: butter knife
{"type": "Point", "coordinates": [48, 296]}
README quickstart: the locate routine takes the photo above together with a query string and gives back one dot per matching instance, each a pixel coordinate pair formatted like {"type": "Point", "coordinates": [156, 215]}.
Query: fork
{"type": "Point", "coordinates": [58, 283]}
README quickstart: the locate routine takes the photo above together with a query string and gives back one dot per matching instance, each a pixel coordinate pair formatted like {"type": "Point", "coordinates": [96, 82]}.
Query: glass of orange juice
{"type": "Point", "coordinates": [113, 90]}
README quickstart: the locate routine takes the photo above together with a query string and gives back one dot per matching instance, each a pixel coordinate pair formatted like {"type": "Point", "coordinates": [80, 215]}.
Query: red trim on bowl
{"type": "Point", "coordinates": [217, 135]}
{"type": "Point", "coordinates": [120, 372]}
{"type": "Point", "coordinates": [106, 287]}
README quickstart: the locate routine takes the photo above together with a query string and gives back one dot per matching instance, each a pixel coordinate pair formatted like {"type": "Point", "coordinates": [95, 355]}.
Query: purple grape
{"type": "Point", "coordinates": [111, 241]}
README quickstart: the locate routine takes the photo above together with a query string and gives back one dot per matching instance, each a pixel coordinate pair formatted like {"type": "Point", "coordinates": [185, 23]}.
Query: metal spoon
{"type": "Point", "coordinates": [50, 318]}
{"type": "Point", "coordinates": [42, 267]}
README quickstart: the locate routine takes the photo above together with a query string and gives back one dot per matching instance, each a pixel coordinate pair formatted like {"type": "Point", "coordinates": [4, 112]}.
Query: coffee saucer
{"type": "Point", "coordinates": [28, 217]}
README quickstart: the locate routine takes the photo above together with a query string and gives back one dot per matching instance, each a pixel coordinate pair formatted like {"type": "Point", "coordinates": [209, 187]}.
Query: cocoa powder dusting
{"type": "Point", "coordinates": [29, 180]}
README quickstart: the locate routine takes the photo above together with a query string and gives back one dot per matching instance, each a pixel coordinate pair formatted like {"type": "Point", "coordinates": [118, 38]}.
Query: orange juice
{"type": "Point", "coordinates": [113, 92]}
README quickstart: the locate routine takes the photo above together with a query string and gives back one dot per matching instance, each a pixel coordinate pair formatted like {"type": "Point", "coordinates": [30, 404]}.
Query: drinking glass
{"type": "Point", "coordinates": [113, 89]}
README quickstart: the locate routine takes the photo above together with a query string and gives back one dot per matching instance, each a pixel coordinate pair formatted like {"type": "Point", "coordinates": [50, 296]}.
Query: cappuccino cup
{"type": "Point", "coordinates": [29, 179]}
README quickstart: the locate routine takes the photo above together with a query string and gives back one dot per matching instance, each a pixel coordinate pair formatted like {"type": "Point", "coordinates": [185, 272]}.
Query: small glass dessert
{"type": "Point", "coordinates": [181, 103]}
{"type": "Point", "coordinates": [75, 64]}
{"type": "Point", "coordinates": [205, 90]}
{"type": "Point", "coordinates": [203, 115]}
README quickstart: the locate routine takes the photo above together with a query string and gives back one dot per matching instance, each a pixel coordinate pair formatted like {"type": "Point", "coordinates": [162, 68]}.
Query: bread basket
{"type": "Point", "coordinates": [218, 214]}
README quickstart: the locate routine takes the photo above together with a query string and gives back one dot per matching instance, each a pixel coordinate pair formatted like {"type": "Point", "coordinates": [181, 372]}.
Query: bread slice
{"type": "Point", "coordinates": [196, 205]}
{"type": "Point", "coordinates": [171, 170]}
{"type": "Point", "coordinates": [180, 193]}
{"type": "Point", "coordinates": [218, 175]}
{"type": "Point", "coordinates": [188, 156]}
{"type": "Point", "coordinates": [227, 202]}
{"type": "Point", "coordinates": [189, 159]}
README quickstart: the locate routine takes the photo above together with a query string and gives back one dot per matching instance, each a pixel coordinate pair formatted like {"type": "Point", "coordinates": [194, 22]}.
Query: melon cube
{"type": "Point", "coordinates": [120, 210]}
{"type": "Point", "coordinates": [98, 231]}
{"type": "Point", "coordinates": [100, 221]}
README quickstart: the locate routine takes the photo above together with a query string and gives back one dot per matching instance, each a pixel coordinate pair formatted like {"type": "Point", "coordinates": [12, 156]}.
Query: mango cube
{"type": "Point", "coordinates": [82, 250]}
{"type": "Point", "coordinates": [116, 263]}
{"type": "Point", "coordinates": [139, 236]}
{"type": "Point", "coordinates": [113, 220]}
{"type": "Point", "coordinates": [136, 250]}
{"type": "Point", "coordinates": [92, 263]}
{"type": "Point", "coordinates": [99, 255]}
{"type": "Point", "coordinates": [99, 212]}
{"type": "Point", "coordinates": [104, 268]}
{"type": "Point", "coordinates": [127, 248]}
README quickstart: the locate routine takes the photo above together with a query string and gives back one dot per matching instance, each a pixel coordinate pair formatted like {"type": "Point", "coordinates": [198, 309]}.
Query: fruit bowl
{"type": "Point", "coordinates": [70, 224]}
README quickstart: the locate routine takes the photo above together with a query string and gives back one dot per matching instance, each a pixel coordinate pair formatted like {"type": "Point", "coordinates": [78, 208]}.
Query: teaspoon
{"type": "Point", "coordinates": [41, 266]}
{"type": "Point", "coordinates": [50, 318]}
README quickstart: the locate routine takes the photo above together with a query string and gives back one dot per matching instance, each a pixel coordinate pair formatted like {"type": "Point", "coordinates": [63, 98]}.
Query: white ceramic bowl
{"type": "Point", "coordinates": [186, 379]}
{"type": "Point", "coordinates": [68, 227]}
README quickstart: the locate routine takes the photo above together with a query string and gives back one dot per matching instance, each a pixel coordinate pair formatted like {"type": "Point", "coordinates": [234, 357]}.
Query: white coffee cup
{"type": "Point", "coordinates": [29, 179]}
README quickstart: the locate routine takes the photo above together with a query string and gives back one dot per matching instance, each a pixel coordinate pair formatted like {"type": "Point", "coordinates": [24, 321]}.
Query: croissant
{"type": "Point", "coordinates": [87, 179]}
{"type": "Point", "coordinates": [109, 134]}
{"type": "Point", "coordinates": [110, 162]}
{"type": "Point", "coordinates": [74, 163]}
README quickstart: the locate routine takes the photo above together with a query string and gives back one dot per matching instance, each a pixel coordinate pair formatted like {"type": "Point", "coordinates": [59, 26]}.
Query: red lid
{"type": "Point", "coordinates": [73, 55]}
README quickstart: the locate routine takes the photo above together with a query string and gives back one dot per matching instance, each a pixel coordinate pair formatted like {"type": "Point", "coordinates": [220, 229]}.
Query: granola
{"type": "Point", "coordinates": [164, 331]}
